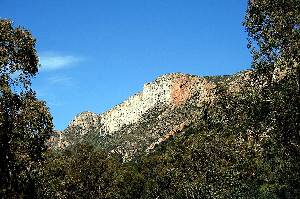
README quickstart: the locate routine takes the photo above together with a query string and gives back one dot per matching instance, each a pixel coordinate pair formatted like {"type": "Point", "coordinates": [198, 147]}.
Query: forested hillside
{"type": "Point", "coordinates": [245, 145]}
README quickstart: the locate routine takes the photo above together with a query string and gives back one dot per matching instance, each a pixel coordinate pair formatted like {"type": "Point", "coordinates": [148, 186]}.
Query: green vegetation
{"type": "Point", "coordinates": [241, 148]}
{"type": "Point", "coordinates": [273, 27]}
{"type": "Point", "coordinates": [25, 122]}
{"type": "Point", "coordinates": [246, 144]}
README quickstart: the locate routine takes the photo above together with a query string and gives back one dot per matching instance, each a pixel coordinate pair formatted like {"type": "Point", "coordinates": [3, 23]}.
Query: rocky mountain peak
{"type": "Point", "coordinates": [84, 120]}
{"type": "Point", "coordinates": [166, 90]}
{"type": "Point", "coordinates": [147, 118]}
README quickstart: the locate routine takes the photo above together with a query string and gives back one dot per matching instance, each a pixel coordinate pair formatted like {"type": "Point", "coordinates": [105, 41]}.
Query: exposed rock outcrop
{"type": "Point", "coordinates": [148, 118]}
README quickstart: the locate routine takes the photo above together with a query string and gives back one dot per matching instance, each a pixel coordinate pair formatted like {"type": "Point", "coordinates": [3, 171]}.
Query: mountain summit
{"type": "Point", "coordinates": [159, 112]}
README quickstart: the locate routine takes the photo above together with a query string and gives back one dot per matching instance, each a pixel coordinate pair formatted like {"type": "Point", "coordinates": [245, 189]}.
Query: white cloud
{"type": "Point", "coordinates": [55, 61]}
{"type": "Point", "coordinates": [60, 80]}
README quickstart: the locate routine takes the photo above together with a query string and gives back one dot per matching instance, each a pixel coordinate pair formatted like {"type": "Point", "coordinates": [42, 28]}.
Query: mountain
{"type": "Point", "coordinates": [162, 110]}
{"type": "Point", "coordinates": [185, 136]}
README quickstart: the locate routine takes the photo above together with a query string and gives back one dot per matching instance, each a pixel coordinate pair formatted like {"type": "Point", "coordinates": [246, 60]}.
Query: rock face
{"type": "Point", "coordinates": [85, 120]}
{"type": "Point", "coordinates": [146, 119]}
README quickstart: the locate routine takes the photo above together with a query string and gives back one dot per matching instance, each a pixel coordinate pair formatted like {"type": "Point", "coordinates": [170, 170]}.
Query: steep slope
{"type": "Point", "coordinates": [163, 108]}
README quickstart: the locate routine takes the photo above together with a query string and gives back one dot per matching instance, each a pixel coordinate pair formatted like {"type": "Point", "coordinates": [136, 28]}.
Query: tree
{"type": "Point", "coordinates": [273, 28]}
{"type": "Point", "coordinates": [25, 122]}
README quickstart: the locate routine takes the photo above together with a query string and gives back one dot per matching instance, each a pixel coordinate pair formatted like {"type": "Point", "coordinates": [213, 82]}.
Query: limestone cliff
{"type": "Point", "coordinates": [144, 120]}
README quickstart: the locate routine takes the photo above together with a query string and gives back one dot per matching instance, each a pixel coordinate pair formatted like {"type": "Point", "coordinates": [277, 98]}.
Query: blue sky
{"type": "Point", "coordinates": [96, 53]}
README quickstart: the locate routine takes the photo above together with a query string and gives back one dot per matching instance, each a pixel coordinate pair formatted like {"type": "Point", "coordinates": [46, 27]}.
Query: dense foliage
{"type": "Point", "coordinates": [25, 123]}
{"type": "Point", "coordinates": [273, 27]}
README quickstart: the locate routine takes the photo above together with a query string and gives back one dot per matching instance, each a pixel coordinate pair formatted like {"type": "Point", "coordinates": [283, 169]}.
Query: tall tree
{"type": "Point", "coordinates": [25, 122]}
{"type": "Point", "coordinates": [273, 28]}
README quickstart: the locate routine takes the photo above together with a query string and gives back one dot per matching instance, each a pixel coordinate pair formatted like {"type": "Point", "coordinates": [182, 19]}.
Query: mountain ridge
{"type": "Point", "coordinates": [159, 112]}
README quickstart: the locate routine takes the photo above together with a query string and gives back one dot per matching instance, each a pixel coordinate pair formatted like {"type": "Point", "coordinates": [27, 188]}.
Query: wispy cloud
{"type": "Point", "coordinates": [65, 80]}
{"type": "Point", "coordinates": [50, 61]}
